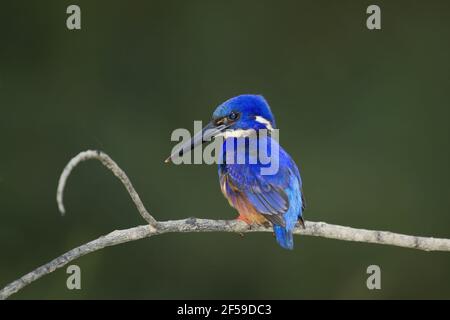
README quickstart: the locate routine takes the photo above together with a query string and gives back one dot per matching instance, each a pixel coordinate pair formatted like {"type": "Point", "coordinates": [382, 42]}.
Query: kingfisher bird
{"type": "Point", "coordinates": [264, 199]}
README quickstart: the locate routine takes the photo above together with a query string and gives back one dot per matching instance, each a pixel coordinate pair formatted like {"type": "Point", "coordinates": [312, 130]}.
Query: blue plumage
{"type": "Point", "coordinates": [262, 192]}
{"type": "Point", "coordinates": [277, 198]}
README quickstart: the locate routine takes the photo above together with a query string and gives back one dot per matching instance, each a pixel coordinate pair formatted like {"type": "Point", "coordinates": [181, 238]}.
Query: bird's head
{"type": "Point", "coordinates": [235, 117]}
{"type": "Point", "coordinates": [244, 112]}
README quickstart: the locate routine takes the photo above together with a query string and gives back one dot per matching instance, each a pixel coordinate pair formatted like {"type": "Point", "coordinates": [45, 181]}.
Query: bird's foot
{"type": "Point", "coordinates": [244, 219]}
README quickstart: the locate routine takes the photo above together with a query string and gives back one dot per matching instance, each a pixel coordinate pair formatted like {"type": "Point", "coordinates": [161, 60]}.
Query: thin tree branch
{"type": "Point", "coordinates": [111, 165]}
{"type": "Point", "coordinates": [318, 229]}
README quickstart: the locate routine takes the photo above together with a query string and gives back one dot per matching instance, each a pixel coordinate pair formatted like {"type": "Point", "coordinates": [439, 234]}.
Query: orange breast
{"type": "Point", "coordinates": [237, 200]}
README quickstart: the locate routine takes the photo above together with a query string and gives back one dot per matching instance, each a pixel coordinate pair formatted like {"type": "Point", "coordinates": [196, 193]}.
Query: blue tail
{"type": "Point", "coordinates": [284, 237]}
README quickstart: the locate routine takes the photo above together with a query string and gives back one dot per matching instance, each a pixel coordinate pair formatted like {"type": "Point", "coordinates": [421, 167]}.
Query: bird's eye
{"type": "Point", "coordinates": [233, 116]}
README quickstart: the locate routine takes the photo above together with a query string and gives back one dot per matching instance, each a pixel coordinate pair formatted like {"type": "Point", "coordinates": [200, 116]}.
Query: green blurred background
{"type": "Point", "coordinates": [364, 114]}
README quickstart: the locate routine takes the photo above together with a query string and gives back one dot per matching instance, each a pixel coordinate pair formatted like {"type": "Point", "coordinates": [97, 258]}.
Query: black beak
{"type": "Point", "coordinates": [205, 135]}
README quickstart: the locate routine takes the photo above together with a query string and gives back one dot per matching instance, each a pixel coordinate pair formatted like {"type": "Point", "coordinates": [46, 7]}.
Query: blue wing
{"type": "Point", "coordinates": [278, 197]}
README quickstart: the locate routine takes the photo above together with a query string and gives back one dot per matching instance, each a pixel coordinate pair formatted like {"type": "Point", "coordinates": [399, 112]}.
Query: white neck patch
{"type": "Point", "coordinates": [264, 121]}
{"type": "Point", "coordinates": [239, 133]}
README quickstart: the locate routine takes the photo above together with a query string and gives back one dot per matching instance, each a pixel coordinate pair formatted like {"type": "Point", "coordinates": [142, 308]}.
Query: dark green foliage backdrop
{"type": "Point", "coordinates": [365, 115]}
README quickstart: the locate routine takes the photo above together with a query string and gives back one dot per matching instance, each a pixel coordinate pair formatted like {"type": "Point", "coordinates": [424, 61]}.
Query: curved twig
{"type": "Point", "coordinates": [318, 229]}
{"type": "Point", "coordinates": [111, 165]}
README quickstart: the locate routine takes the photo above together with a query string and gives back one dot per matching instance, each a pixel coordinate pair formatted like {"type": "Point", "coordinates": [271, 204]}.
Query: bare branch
{"type": "Point", "coordinates": [318, 229]}
{"type": "Point", "coordinates": [111, 165]}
